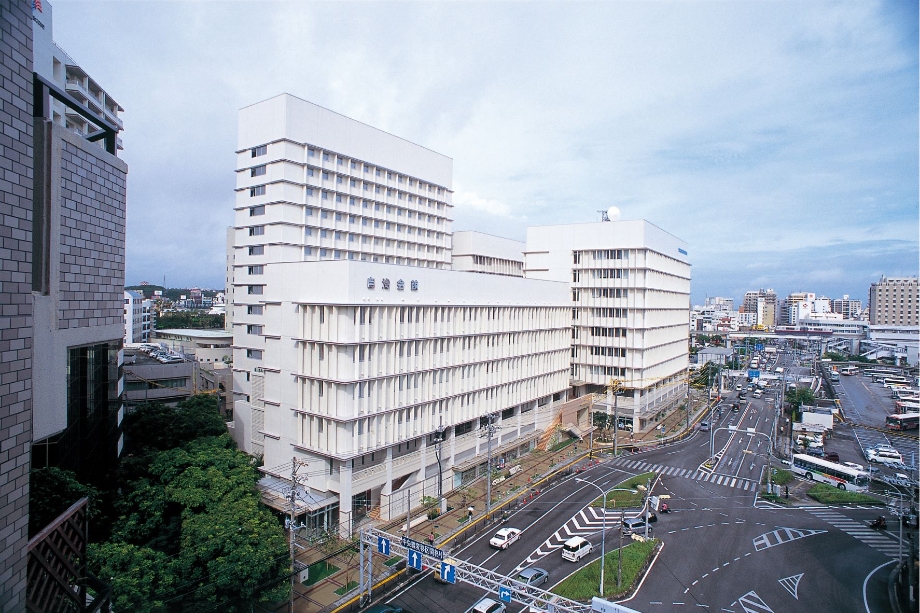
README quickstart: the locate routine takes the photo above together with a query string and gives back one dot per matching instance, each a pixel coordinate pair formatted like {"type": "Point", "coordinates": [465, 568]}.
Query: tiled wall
{"type": "Point", "coordinates": [15, 296]}
{"type": "Point", "coordinates": [92, 236]}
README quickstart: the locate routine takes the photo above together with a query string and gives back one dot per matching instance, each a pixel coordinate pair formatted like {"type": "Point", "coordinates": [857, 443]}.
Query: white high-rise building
{"type": "Point", "coordinates": [356, 349]}
{"type": "Point", "coordinates": [629, 307]}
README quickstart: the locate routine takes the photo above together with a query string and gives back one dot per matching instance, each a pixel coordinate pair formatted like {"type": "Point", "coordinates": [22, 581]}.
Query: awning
{"type": "Point", "coordinates": [276, 495]}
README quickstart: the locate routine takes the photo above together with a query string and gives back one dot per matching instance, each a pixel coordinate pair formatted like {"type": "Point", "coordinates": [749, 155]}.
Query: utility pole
{"type": "Point", "coordinates": [489, 431]}
{"type": "Point", "coordinates": [408, 509]}
{"type": "Point", "coordinates": [297, 482]}
{"type": "Point", "coordinates": [440, 439]}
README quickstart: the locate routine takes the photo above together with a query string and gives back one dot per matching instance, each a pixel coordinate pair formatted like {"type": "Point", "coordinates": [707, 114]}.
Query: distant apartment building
{"type": "Point", "coordinates": [894, 301]}
{"type": "Point", "coordinates": [138, 317]}
{"type": "Point", "coordinates": [849, 308]}
{"type": "Point", "coordinates": [63, 193]}
{"type": "Point", "coordinates": [629, 303]}
{"type": "Point", "coordinates": [718, 303]}
{"type": "Point", "coordinates": [763, 304]}
{"type": "Point", "coordinates": [355, 347]}
{"type": "Point", "coordinates": [788, 309]}
{"type": "Point", "coordinates": [479, 252]}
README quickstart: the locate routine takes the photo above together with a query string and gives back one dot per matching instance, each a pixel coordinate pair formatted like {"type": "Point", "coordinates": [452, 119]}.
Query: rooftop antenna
{"type": "Point", "coordinates": [611, 214]}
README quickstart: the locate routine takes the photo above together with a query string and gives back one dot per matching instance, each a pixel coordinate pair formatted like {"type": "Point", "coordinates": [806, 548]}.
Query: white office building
{"type": "Point", "coordinates": [355, 347]}
{"type": "Point", "coordinates": [629, 308]}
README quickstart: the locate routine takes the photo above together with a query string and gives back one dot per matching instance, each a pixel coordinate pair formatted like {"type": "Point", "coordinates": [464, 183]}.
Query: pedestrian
{"type": "Point", "coordinates": [469, 512]}
{"type": "Point", "coordinates": [787, 491]}
{"type": "Point", "coordinates": [431, 539]}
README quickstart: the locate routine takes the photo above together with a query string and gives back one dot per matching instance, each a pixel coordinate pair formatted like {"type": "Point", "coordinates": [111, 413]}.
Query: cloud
{"type": "Point", "coordinates": [774, 138]}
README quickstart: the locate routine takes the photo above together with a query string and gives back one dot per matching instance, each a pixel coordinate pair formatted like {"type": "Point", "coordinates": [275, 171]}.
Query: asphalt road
{"type": "Point", "coordinates": [721, 552]}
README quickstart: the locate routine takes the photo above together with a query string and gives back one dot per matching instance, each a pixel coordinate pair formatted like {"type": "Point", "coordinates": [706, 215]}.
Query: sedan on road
{"type": "Point", "coordinates": [533, 576]}
{"type": "Point", "coordinates": [505, 537]}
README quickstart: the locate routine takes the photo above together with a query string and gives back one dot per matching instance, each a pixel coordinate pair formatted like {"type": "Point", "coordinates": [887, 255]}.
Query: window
{"type": "Point", "coordinates": [325, 157]}
{"type": "Point", "coordinates": [257, 171]}
{"type": "Point", "coordinates": [254, 290]}
{"type": "Point", "coordinates": [340, 161]}
{"type": "Point", "coordinates": [258, 190]}
{"type": "Point", "coordinates": [256, 270]}
{"type": "Point", "coordinates": [325, 176]}
{"type": "Point", "coordinates": [259, 151]}
{"type": "Point", "coordinates": [255, 211]}
{"type": "Point", "coordinates": [254, 329]}
{"type": "Point", "coordinates": [324, 214]}
{"type": "Point", "coordinates": [254, 309]}
{"type": "Point", "coordinates": [354, 164]}
{"type": "Point", "coordinates": [256, 230]}
{"type": "Point", "coordinates": [254, 354]}
{"type": "Point", "coordinates": [309, 191]}
{"type": "Point", "coordinates": [322, 234]}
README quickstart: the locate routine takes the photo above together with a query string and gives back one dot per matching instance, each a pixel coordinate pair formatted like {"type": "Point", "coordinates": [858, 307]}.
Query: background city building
{"type": "Point", "coordinates": [894, 301]}
{"type": "Point", "coordinates": [762, 303]}
{"type": "Point", "coordinates": [139, 317]}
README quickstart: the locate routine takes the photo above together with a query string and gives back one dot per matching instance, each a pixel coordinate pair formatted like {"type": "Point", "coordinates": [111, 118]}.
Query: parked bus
{"type": "Point", "coordinates": [843, 477]}
{"type": "Point", "coordinates": [907, 406]}
{"type": "Point", "coordinates": [905, 393]}
{"type": "Point", "coordinates": [907, 421]}
{"type": "Point", "coordinates": [849, 370]}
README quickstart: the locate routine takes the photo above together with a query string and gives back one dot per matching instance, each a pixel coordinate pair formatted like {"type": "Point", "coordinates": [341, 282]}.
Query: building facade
{"type": "Point", "coordinates": [763, 304]}
{"type": "Point", "coordinates": [629, 308]}
{"type": "Point", "coordinates": [78, 268]}
{"type": "Point", "coordinates": [355, 348]}
{"type": "Point", "coordinates": [848, 307]}
{"type": "Point", "coordinates": [480, 252]}
{"type": "Point", "coordinates": [894, 301]}
{"type": "Point", "coordinates": [138, 317]}
{"type": "Point", "coordinates": [16, 340]}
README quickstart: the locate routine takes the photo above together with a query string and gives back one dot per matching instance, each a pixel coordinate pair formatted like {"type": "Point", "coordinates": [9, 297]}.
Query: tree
{"type": "Point", "coordinates": [189, 319]}
{"type": "Point", "coordinates": [140, 577]}
{"type": "Point", "coordinates": [158, 427]}
{"type": "Point", "coordinates": [51, 492]}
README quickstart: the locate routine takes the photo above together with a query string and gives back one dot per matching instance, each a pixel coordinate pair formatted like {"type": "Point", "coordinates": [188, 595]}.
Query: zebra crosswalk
{"type": "Point", "coordinates": [586, 522]}
{"type": "Point", "coordinates": [876, 539]}
{"type": "Point", "coordinates": [748, 485]}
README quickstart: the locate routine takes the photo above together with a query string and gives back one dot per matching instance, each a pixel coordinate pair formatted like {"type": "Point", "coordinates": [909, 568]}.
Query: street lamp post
{"type": "Point", "coordinates": [603, 533]}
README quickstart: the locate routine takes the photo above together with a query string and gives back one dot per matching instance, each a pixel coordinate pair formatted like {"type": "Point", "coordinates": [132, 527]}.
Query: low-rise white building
{"type": "Point", "coordinates": [212, 347]}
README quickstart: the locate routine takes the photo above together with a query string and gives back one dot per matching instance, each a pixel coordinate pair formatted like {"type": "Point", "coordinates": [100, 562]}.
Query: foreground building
{"type": "Point", "coordinates": [63, 197]}
{"type": "Point", "coordinates": [629, 308]}
{"type": "Point", "coordinates": [356, 348]}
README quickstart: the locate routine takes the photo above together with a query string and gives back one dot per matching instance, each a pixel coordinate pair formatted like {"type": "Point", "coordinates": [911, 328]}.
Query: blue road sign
{"type": "Point", "coordinates": [504, 593]}
{"type": "Point", "coordinates": [758, 347]}
{"type": "Point", "coordinates": [754, 374]}
{"type": "Point", "coordinates": [415, 559]}
{"type": "Point", "coordinates": [383, 545]}
{"type": "Point", "coordinates": [448, 572]}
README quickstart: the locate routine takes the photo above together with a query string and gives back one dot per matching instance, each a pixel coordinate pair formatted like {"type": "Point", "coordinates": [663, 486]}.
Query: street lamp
{"type": "Point", "coordinates": [603, 532]}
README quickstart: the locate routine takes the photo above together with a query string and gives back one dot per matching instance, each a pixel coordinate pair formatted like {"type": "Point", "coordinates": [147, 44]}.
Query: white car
{"type": "Point", "coordinates": [854, 465]}
{"type": "Point", "coordinates": [504, 537]}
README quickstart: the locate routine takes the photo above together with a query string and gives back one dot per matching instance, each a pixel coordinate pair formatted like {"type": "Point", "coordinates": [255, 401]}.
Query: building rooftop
{"type": "Point", "coordinates": [209, 333]}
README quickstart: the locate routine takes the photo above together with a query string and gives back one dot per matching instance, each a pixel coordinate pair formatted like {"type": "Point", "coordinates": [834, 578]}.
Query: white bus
{"type": "Point", "coordinates": [849, 370]}
{"type": "Point", "coordinates": [843, 477]}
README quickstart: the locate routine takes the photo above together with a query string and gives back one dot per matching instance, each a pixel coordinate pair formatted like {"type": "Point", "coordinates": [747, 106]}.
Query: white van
{"type": "Point", "coordinates": [884, 456]}
{"type": "Point", "coordinates": [576, 548]}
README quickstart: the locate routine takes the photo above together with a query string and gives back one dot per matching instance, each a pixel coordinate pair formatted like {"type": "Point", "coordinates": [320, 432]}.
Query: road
{"type": "Point", "coordinates": [721, 552]}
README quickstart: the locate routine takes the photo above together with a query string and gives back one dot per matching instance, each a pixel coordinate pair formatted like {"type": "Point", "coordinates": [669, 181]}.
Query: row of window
{"type": "Point", "coordinates": [610, 352]}
{"type": "Point", "coordinates": [608, 332]}
{"type": "Point", "coordinates": [601, 254]}
{"type": "Point", "coordinates": [354, 164]}
{"type": "Point", "coordinates": [607, 312]}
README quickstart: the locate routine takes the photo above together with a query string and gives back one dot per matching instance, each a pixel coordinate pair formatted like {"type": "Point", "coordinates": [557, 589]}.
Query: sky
{"type": "Point", "coordinates": [778, 139]}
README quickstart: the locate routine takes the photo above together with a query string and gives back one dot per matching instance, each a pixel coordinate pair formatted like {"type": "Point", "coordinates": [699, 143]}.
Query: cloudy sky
{"type": "Point", "coordinates": [778, 139]}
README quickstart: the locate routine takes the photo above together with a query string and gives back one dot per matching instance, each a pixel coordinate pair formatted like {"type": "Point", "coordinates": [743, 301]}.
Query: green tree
{"type": "Point", "coordinates": [834, 356]}
{"type": "Point", "coordinates": [158, 427]}
{"type": "Point", "coordinates": [141, 578]}
{"type": "Point", "coordinates": [51, 492]}
{"type": "Point", "coordinates": [189, 319]}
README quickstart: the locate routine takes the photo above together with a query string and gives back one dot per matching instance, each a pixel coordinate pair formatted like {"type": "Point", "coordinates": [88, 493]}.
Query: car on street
{"type": "Point", "coordinates": [532, 577]}
{"type": "Point", "coordinates": [636, 525]}
{"type": "Point", "coordinates": [704, 426]}
{"type": "Point", "coordinates": [385, 608]}
{"type": "Point", "coordinates": [576, 548]}
{"type": "Point", "coordinates": [487, 605]}
{"type": "Point", "coordinates": [505, 537]}
{"type": "Point", "coordinates": [854, 465]}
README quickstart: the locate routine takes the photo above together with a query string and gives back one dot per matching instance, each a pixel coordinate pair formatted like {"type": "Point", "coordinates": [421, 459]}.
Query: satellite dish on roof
{"type": "Point", "coordinates": [613, 214]}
